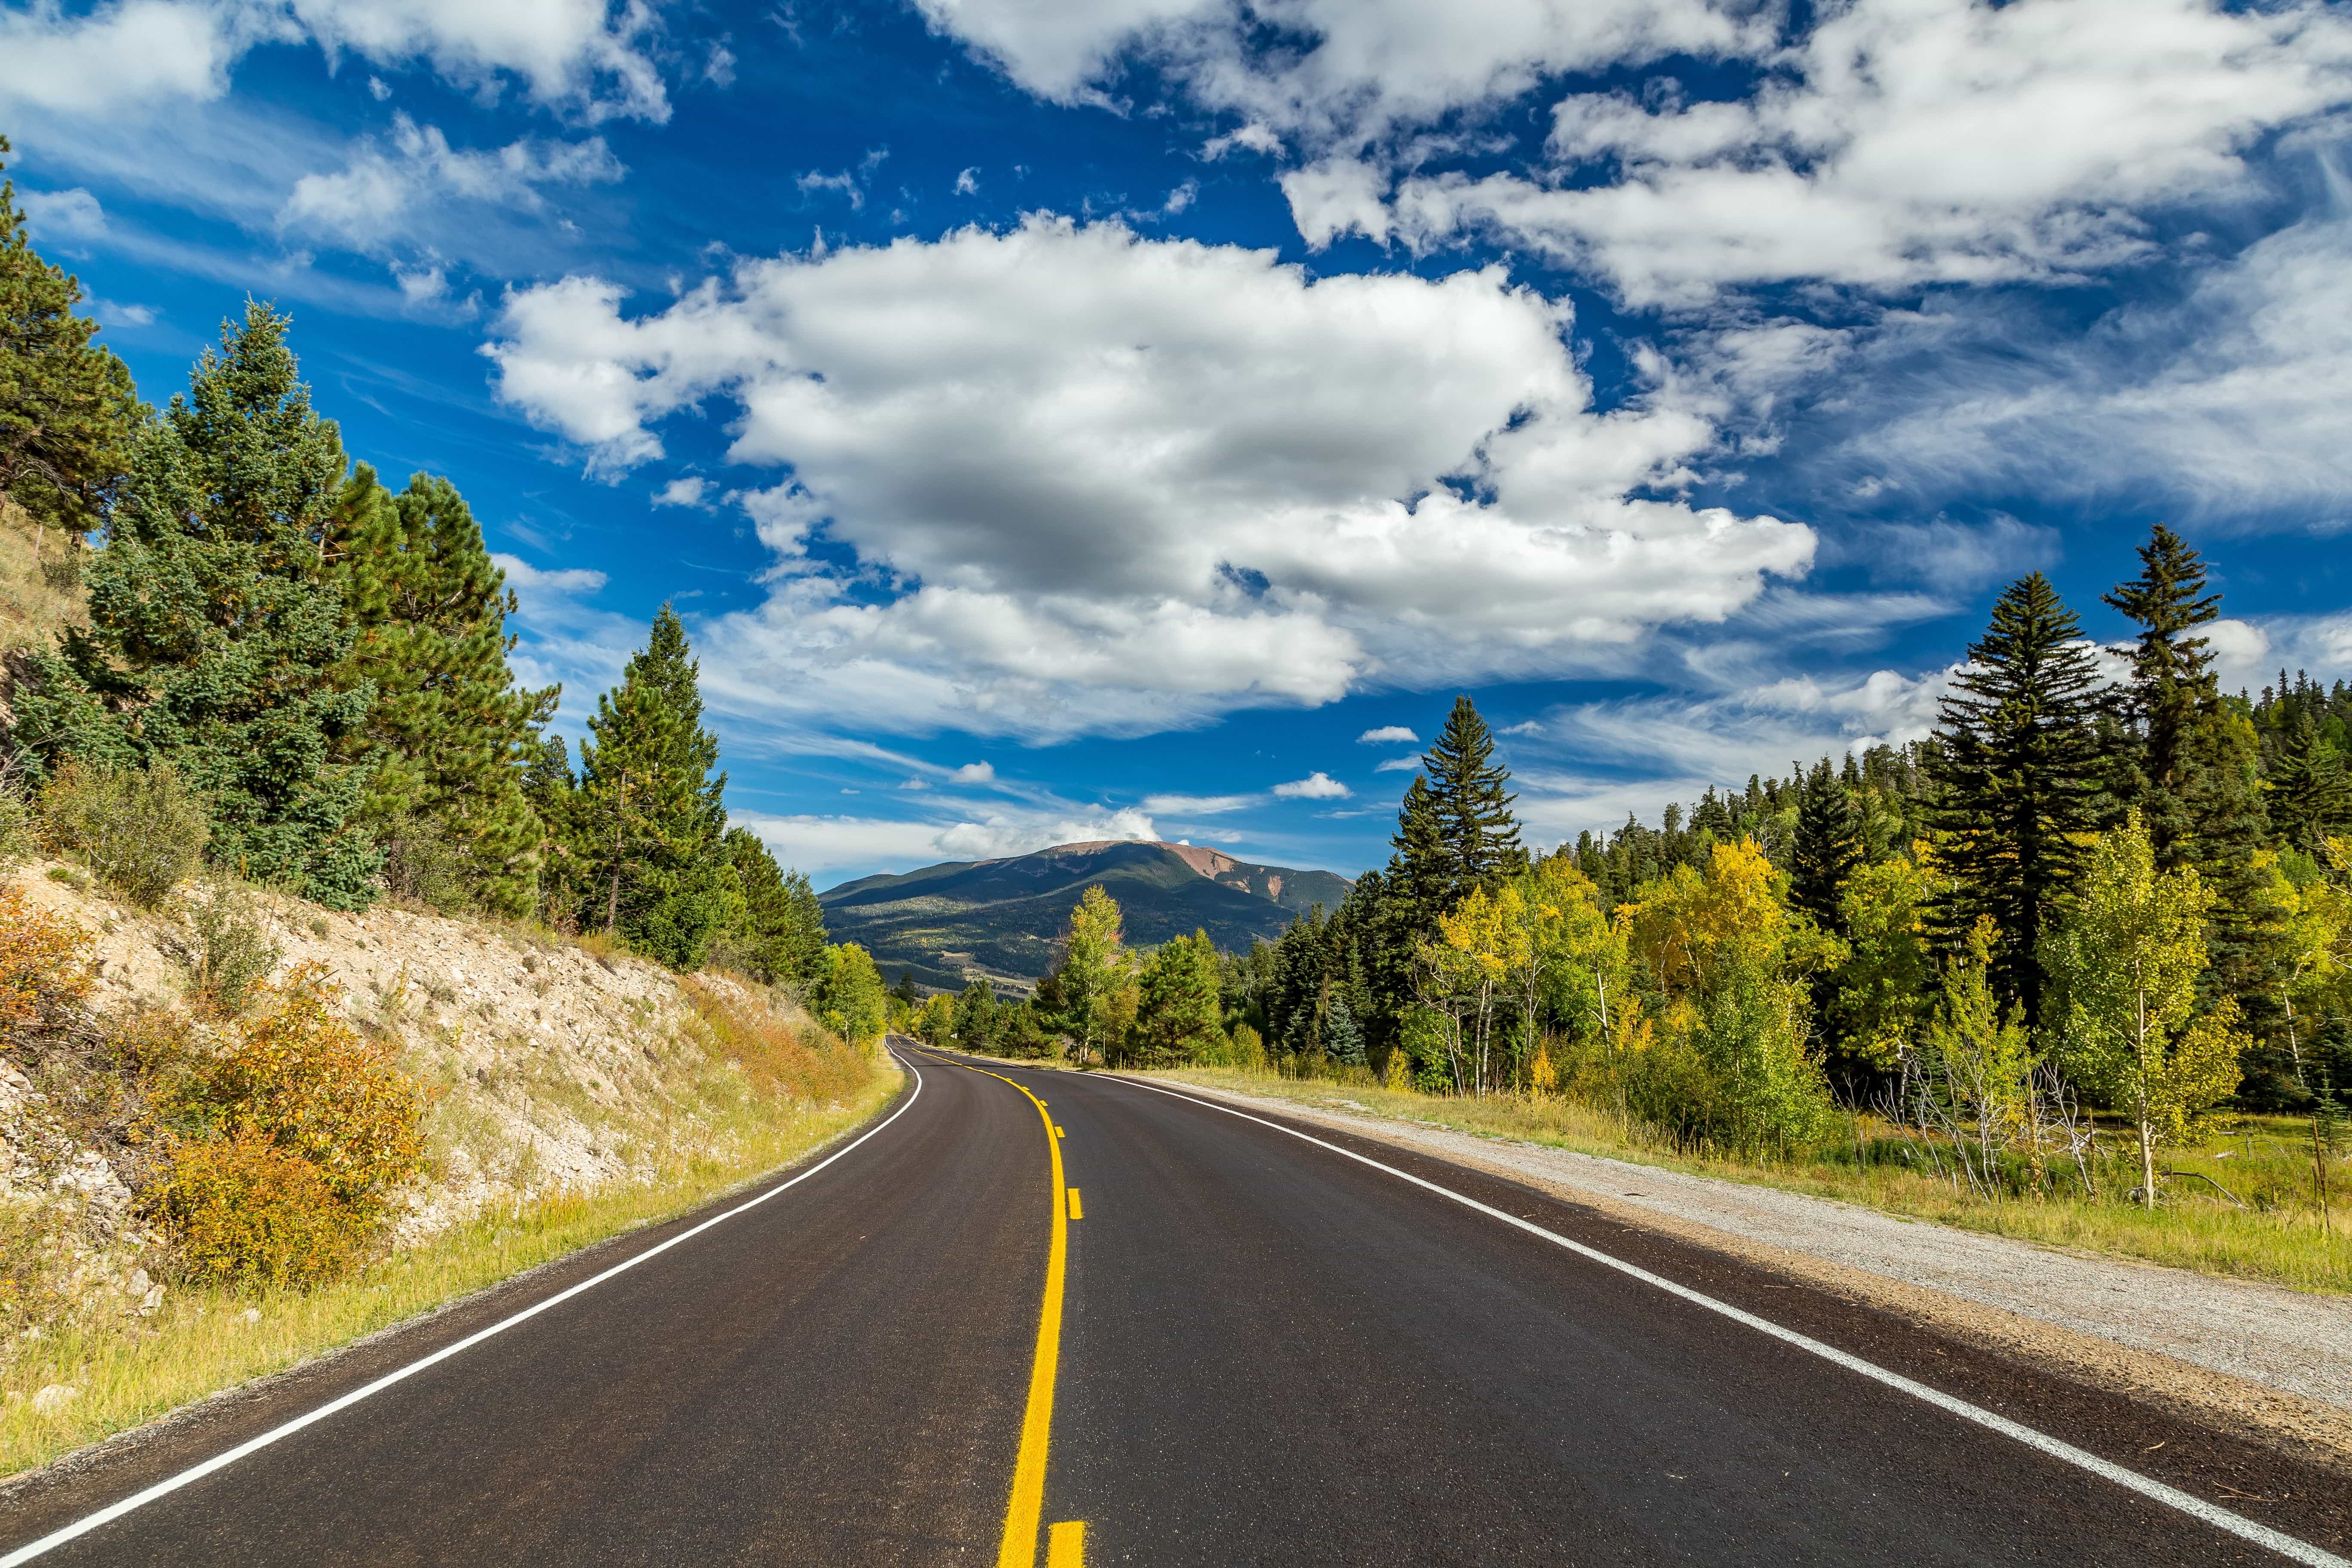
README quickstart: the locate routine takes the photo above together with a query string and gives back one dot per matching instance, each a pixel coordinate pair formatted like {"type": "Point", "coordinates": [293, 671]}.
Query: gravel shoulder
{"type": "Point", "coordinates": [2239, 1350]}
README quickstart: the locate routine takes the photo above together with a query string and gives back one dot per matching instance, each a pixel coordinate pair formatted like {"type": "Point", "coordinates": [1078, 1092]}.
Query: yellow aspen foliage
{"type": "Point", "coordinates": [43, 964]}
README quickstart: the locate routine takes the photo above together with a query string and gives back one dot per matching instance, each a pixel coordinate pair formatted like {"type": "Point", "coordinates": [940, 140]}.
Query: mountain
{"type": "Point", "coordinates": [953, 922]}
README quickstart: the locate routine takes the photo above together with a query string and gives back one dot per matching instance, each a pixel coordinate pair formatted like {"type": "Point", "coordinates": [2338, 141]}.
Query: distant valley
{"type": "Point", "coordinates": [950, 923]}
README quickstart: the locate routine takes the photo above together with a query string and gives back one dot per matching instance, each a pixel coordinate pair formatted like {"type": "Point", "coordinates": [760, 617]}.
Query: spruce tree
{"type": "Point", "coordinates": [1473, 810]}
{"type": "Point", "coordinates": [649, 817]}
{"type": "Point", "coordinates": [67, 409]}
{"type": "Point", "coordinates": [2198, 784]}
{"type": "Point", "coordinates": [2310, 794]}
{"type": "Point", "coordinates": [450, 734]}
{"type": "Point", "coordinates": [2017, 767]}
{"type": "Point", "coordinates": [1827, 845]}
{"type": "Point", "coordinates": [216, 630]}
{"type": "Point", "coordinates": [780, 930]}
{"type": "Point", "coordinates": [1420, 877]}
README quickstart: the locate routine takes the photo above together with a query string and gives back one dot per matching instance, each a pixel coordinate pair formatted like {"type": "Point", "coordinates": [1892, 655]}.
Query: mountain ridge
{"type": "Point", "coordinates": [960, 919]}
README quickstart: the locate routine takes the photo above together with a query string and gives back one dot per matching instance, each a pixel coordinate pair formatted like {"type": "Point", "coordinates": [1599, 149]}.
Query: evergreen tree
{"type": "Point", "coordinates": [2017, 767]}
{"type": "Point", "coordinates": [650, 819]}
{"type": "Point", "coordinates": [67, 409]}
{"type": "Point", "coordinates": [215, 631]}
{"type": "Point", "coordinates": [1176, 1018]}
{"type": "Point", "coordinates": [451, 736]}
{"type": "Point", "coordinates": [2310, 795]}
{"type": "Point", "coordinates": [2197, 785]}
{"type": "Point", "coordinates": [563, 860]}
{"type": "Point", "coordinates": [1473, 810]}
{"type": "Point", "coordinates": [1827, 846]}
{"type": "Point", "coordinates": [1420, 875]}
{"type": "Point", "coordinates": [781, 930]}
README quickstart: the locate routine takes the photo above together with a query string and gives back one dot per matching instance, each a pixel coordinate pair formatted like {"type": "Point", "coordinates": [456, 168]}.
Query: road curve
{"type": "Point", "coordinates": [1269, 1353]}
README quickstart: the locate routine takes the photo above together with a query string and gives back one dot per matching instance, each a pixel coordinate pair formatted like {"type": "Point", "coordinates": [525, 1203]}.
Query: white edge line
{"type": "Point", "coordinates": [89, 1523]}
{"type": "Point", "coordinates": [2219, 1518]}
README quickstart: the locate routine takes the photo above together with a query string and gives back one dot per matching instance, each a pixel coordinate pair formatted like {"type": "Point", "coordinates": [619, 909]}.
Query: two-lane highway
{"type": "Point", "coordinates": [1259, 1347]}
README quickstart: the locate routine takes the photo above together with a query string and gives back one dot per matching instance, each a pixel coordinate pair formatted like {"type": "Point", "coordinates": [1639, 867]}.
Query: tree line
{"type": "Point", "coordinates": [320, 662]}
{"type": "Point", "coordinates": [2102, 882]}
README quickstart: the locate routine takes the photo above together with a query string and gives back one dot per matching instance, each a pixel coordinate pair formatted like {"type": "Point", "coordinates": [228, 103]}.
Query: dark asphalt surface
{"type": "Point", "coordinates": [1271, 1354]}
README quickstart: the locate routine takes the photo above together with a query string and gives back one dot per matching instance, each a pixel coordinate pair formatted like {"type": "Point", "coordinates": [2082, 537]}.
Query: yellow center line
{"type": "Point", "coordinates": [1075, 1212]}
{"type": "Point", "coordinates": [1027, 1507]}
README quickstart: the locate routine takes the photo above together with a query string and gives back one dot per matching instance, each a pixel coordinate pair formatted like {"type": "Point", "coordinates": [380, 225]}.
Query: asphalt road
{"type": "Point", "coordinates": [1269, 1352]}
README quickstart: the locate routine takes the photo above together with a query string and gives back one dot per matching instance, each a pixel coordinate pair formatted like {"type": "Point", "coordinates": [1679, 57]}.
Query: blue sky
{"type": "Point", "coordinates": [1086, 418]}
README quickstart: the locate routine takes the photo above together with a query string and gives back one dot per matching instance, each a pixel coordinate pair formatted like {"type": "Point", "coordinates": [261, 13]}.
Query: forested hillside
{"type": "Point", "coordinates": [1001, 917]}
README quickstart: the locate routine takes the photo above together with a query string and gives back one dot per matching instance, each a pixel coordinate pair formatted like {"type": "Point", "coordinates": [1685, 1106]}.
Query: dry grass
{"type": "Point", "coordinates": [33, 606]}
{"type": "Point", "coordinates": [2277, 1238]}
{"type": "Point", "coordinates": [735, 1125]}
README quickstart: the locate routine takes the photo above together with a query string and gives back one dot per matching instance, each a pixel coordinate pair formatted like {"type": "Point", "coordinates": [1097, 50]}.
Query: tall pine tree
{"type": "Point", "coordinates": [451, 735]}
{"type": "Point", "coordinates": [216, 631]}
{"type": "Point", "coordinates": [67, 409]}
{"type": "Point", "coordinates": [2310, 794]}
{"type": "Point", "coordinates": [649, 818]}
{"type": "Point", "coordinates": [1827, 848]}
{"type": "Point", "coordinates": [2198, 784]}
{"type": "Point", "coordinates": [780, 933]}
{"type": "Point", "coordinates": [2018, 766]}
{"type": "Point", "coordinates": [1479, 836]}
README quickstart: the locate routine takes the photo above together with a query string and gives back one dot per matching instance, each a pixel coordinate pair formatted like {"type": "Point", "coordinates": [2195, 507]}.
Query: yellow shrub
{"type": "Point", "coordinates": [245, 1211]}
{"type": "Point", "coordinates": [301, 1077]}
{"type": "Point", "coordinates": [43, 964]}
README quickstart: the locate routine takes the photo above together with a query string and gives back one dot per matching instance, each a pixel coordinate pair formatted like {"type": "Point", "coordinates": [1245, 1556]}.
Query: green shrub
{"type": "Point", "coordinates": [142, 831]}
{"type": "Point", "coordinates": [424, 864]}
{"type": "Point", "coordinates": [18, 826]}
{"type": "Point", "coordinates": [232, 954]}
{"type": "Point", "coordinates": [241, 1210]}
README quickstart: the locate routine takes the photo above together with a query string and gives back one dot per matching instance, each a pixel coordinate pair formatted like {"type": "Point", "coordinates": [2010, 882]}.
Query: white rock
{"type": "Point", "coordinates": [54, 1398]}
{"type": "Point", "coordinates": [252, 1314]}
{"type": "Point", "coordinates": [151, 1300]}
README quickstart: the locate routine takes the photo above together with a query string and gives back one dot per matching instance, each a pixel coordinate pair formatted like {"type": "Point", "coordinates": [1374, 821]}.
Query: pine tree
{"type": "Point", "coordinates": [782, 930]}
{"type": "Point", "coordinates": [67, 409]}
{"type": "Point", "coordinates": [216, 632]}
{"type": "Point", "coordinates": [2310, 794]}
{"type": "Point", "coordinates": [2018, 766]}
{"type": "Point", "coordinates": [2198, 783]}
{"type": "Point", "coordinates": [650, 818]}
{"type": "Point", "coordinates": [2172, 688]}
{"type": "Point", "coordinates": [450, 734]}
{"type": "Point", "coordinates": [1827, 848]}
{"type": "Point", "coordinates": [1473, 810]}
{"type": "Point", "coordinates": [1420, 877]}
{"type": "Point", "coordinates": [1176, 1018]}
{"type": "Point", "coordinates": [563, 846]}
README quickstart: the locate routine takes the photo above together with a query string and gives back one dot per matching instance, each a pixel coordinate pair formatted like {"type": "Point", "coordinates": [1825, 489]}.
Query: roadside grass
{"type": "Point", "coordinates": [2277, 1238]}
{"type": "Point", "coordinates": [731, 1131]}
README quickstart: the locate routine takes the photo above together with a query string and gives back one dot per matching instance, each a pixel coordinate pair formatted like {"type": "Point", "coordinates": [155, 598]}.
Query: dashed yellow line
{"type": "Point", "coordinates": [1075, 1212]}
{"type": "Point", "coordinates": [1066, 1546]}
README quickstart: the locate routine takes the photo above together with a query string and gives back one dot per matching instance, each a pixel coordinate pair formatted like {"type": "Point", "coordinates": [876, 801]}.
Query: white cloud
{"type": "Point", "coordinates": [1398, 765]}
{"type": "Point", "coordinates": [687, 490]}
{"type": "Point", "coordinates": [975, 773]}
{"type": "Point", "coordinates": [62, 215]}
{"type": "Point", "coordinates": [1908, 142]}
{"type": "Point", "coordinates": [967, 183]}
{"type": "Point", "coordinates": [1316, 786]}
{"type": "Point", "coordinates": [378, 198]}
{"type": "Point", "coordinates": [818, 845]}
{"type": "Point", "coordinates": [1388, 734]}
{"type": "Point", "coordinates": [970, 415]}
{"type": "Point", "coordinates": [585, 56]}
{"type": "Point", "coordinates": [1358, 67]}
{"type": "Point", "coordinates": [1199, 804]}
{"type": "Point", "coordinates": [2230, 398]}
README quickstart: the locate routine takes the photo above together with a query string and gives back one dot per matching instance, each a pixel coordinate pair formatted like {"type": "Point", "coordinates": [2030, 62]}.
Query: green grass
{"type": "Point", "coordinates": [200, 1341]}
{"type": "Point", "coordinates": [2277, 1238]}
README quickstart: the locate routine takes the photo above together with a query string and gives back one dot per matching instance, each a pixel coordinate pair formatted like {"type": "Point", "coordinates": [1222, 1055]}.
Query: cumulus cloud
{"type": "Point", "coordinates": [975, 773]}
{"type": "Point", "coordinates": [586, 56]}
{"type": "Point", "coordinates": [72, 214]}
{"type": "Point", "coordinates": [1116, 483]}
{"type": "Point", "coordinates": [1388, 734]}
{"type": "Point", "coordinates": [1906, 141]}
{"type": "Point", "coordinates": [688, 490]}
{"type": "Point", "coordinates": [377, 199]}
{"type": "Point", "coordinates": [1316, 786]}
